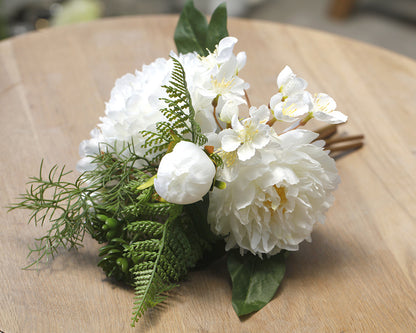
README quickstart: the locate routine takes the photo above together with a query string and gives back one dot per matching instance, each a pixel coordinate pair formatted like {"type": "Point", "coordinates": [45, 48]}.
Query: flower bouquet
{"type": "Point", "coordinates": [175, 177]}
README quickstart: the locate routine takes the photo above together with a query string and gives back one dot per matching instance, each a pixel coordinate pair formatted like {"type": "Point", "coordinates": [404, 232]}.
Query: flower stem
{"type": "Point", "coordinates": [247, 99]}
{"type": "Point", "coordinates": [214, 104]}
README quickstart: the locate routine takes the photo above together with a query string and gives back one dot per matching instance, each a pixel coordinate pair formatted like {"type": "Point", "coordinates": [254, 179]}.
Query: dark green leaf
{"type": "Point", "coordinates": [198, 212]}
{"type": "Point", "coordinates": [191, 30]}
{"type": "Point", "coordinates": [217, 28]}
{"type": "Point", "coordinates": [255, 280]}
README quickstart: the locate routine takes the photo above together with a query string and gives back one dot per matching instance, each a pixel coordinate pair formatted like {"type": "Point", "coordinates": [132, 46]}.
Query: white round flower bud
{"type": "Point", "coordinates": [185, 175]}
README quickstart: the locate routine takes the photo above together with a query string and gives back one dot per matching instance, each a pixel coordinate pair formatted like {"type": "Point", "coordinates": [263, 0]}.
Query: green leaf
{"type": "Point", "coordinates": [215, 246]}
{"type": "Point", "coordinates": [217, 28]}
{"type": "Point", "coordinates": [198, 212]}
{"type": "Point", "coordinates": [193, 34]}
{"type": "Point", "coordinates": [191, 30]}
{"type": "Point", "coordinates": [255, 280]}
{"type": "Point", "coordinates": [147, 183]}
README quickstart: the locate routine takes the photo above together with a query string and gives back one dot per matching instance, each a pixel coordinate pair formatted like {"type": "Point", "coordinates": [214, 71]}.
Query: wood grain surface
{"type": "Point", "coordinates": [357, 275]}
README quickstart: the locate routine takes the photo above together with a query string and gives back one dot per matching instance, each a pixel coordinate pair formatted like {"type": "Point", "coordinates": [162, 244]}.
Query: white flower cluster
{"type": "Point", "coordinates": [293, 101]}
{"type": "Point", "coordinates": [135, 102]}
{"type": "Point", "coordinates": [277, 185]}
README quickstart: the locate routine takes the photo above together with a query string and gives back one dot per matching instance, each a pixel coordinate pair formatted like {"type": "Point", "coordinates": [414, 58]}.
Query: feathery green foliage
{"type": "Point", "coordinates": [64, 204]}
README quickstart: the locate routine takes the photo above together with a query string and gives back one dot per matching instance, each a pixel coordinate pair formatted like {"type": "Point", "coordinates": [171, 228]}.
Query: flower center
{"type": "Point", "coordinates": [290, 110]}
{"type": "Point", "coordinates": [248, 133]}
{"type": "Point", "coordinates": [228, 158]}
{"type": "Point", "coordinates": [222, 86]}
{"type": "Point", "coordinates": [283, 200]}
{"type": "Point", "coordinates": [323, 106]}
{"type": "Point", "coordinates": [282, 194]}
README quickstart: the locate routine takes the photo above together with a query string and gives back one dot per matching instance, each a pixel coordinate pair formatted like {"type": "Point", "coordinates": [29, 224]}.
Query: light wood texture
{"type": "Point", "coordinates": [358, 274]}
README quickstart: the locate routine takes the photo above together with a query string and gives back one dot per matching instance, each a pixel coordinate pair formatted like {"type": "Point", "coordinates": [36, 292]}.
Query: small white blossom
{"type": "Point", "coordinates": [289, 84]}
{"type": "Point", "coordinates": [324, 109]}
{"type": "Point", "coordinates": [221, 82]}
{"type": "Point", "coordinates": [184, 175]}
{"type": "Point", "coordinates": [225, 84]}
{"type": "Point", "coordinates": [276, 197]}
{"type": "Point", "coordinates": [247, 136]}
{"type": "Point", "coordinates": [291, 108]}
{"type": "Point", "coordinates": [223, 53]}
{"type": "Point", "coordinates": [228, 109]}
{"type": "Point", "coordinates": [292, 101]}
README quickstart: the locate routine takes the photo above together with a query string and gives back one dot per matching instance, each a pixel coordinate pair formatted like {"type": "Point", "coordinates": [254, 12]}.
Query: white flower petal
{"type": "Point", "coordinates": [262, 138]}
{"type": "Point", "coordinates": [294, 86]}
{"type": "Point", "coordinates": [275, 100]}
{"type": "Point", "coordinates": [225, 48]}
{"type": "Point", "coordinates": [261, 114]}
{"type": "Point", "coordinates": [241, 61]}
{"type": "Point", "coordinates": [324, 109]}
{"type": "Point", "coordinates": [284, 76]}
{"type": "Point", "coordinates": [289, 84]}
{"type": "Point", "coordinates": [334, 117]}
{"type": "Point", "coordinates": [230, 140]}
{"type": "Point", "coordinates": [227, 109]}
{"type": "Point", "coordinates": [246, 151]}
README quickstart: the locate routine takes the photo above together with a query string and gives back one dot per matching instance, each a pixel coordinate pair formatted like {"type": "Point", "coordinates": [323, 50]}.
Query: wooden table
{"type": "Point", "coordinates": [358, 274]}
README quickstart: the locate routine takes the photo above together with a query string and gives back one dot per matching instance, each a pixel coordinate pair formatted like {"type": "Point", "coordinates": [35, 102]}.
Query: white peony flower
{"type": "Point", "coordinates": [324, 109]}
{"type": "Point", "coordinates": [185, 175]}
{"type": "Point", "coordinates": [133, 106]}
{"type": "Point", "coordinates": [253, 133]}
{"type": "Point", "coordinates": [276, 197]}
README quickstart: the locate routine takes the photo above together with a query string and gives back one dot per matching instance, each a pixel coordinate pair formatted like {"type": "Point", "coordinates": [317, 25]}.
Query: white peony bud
{"type": "Point", "coordinates": [185, 175]}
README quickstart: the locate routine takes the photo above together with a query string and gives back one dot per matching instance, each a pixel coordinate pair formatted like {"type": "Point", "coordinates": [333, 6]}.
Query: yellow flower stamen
{"type": "Point", "coordinates": [223, 85]}
{"type": "Point", "coordinates": [290, 110]}
{"type": "Point", "coordinates": [228, 158]}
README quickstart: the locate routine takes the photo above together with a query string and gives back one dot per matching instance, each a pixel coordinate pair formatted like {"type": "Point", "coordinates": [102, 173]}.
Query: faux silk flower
{"type": "Point", "coordinates": [247, 136]}
{"type": "Point", "coordinates": [185, 175]}
{"type": "Point", "coordinates": [277, 196]}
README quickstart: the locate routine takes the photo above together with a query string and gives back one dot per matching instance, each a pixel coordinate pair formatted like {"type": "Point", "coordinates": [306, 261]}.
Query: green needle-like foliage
{"type": "Point", "coordinates": [65, 205]}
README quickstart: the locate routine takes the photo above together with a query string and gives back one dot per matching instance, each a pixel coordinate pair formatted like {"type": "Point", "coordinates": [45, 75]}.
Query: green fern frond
{"type": "Point", "coordinates": [148, 282]}
{"type": "Point", "coordinates": [145, 229]}
{"type": "Point", "coordinates": [145, 211]}
{"type": "Point", "coordinates": [149, 289]}
{"type": "Point", "coordinates": [180, 121]}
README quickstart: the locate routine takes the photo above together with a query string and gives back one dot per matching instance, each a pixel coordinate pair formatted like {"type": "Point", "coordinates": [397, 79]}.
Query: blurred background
{"type": "Point", "coordinates": [387, 23]}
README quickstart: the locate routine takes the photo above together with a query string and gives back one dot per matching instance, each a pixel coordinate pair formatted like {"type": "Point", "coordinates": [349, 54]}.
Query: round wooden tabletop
{"type": "Point", "coordinates": [357, 275]}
